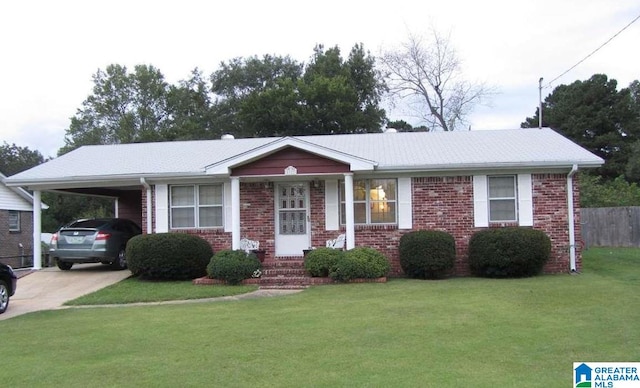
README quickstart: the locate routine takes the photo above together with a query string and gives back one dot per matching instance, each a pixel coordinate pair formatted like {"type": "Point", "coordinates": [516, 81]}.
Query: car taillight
{"type": "Point", "coordinates": [54, 239]}
{"type": "Point", "coordinates": [102, 236]}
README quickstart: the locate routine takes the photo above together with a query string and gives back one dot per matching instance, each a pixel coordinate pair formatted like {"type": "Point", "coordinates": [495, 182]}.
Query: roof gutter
{"type": "Point", "coordinates": [147, 186]}
{"type": "Point", "coordinates": [570, 217]}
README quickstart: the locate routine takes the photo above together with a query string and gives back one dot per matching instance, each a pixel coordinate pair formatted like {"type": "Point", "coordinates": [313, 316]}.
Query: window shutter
{"type": "Point", "coordinates": [162, 206]}
{"type": "Point", "coordinates": [405, 211]}
{"type": "Point", "coordinates": [480, 207]}
{"type": "Point", "coordinates": [227, 206]}
{"type": "Point", "coordinates": [525, 200]}
{"type": "Point", "coordinates": [331, 205]}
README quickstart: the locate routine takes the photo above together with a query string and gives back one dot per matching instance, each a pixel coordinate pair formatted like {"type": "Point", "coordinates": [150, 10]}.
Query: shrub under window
{"type": "Point", "coordinates": [508, 252]}
{"type": "Point", "coordinates": [427, 254]}
{"type": "Point", "coordinates": [361, 262]}
{"type": "Point", "coordinates": [168, 256]}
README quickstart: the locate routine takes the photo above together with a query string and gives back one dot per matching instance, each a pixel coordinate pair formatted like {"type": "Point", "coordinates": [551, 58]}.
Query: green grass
{"type": "Point", "coordinates": [405, 333]}
{"type": "Point", "coordinates": [133, 290]}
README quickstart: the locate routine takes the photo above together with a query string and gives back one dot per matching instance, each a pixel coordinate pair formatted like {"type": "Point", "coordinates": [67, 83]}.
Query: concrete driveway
{"type": "Point", "coordinates": [49, 288]}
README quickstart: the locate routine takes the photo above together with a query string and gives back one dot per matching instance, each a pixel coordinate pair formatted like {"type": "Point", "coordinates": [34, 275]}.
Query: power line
{"type": "Point", "coordinates": [594, 51]}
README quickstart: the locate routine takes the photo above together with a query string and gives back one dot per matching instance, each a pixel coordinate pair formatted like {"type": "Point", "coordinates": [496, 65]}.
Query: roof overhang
{"type": "Point", "coordinates": [224, 167]}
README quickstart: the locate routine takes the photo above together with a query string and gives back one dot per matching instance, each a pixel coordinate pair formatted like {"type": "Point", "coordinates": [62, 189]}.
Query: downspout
{"type": "Point", "coordinates": [149, 204]}
{"type": "Point", "coordinates": [570, 217]}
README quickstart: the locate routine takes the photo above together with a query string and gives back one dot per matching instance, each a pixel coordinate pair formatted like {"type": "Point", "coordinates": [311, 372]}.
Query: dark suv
{"type": "Point", "coordinates": [8, 282]}
{"type": "Point", "coordinates": [97, 240]}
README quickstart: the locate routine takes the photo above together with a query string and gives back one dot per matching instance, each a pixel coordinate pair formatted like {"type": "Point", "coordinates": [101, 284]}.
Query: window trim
{"type": "Point", "coordinates": [196, 207]}
{"type": "Point", "coordinates": [367, 201]}
{"type": "Point", "coordinates": [15, 228]}
{"type": "Point", "coordinates": [515, 198]}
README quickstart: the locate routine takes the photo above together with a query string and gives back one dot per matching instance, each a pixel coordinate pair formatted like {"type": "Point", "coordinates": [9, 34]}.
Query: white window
{"type": "Point", "coordinates": [503, 198]}
{"type": "Point", "coordinates": [374, 201]}
{"type": "Point", "coordinates": [196, 206]}
{"type": "Point", "coordinates": [14, 221]}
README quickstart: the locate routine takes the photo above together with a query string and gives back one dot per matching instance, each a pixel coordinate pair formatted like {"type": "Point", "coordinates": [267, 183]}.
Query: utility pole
{"type": "Point", "coordinates": [540, 102]}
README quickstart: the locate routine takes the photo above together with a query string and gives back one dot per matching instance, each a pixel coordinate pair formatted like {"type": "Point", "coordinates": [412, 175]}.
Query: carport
{"type": "Point", "coordinates": [127, 196]}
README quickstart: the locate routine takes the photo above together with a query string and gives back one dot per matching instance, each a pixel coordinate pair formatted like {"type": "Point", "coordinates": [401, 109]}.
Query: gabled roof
{"type": "Point", "coordinates": [413, 151]}
{"type": "Point", "coordinates": [15, 198]}
{"type": "Point", "coordinates": [223, 167]}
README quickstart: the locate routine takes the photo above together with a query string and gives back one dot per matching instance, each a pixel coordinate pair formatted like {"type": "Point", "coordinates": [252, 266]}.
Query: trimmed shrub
{"type": "Point", "coordinates": [427, 254]}
{"type": "Point", "coordinates": [168, 256]}
{"type": "Point", "coordinates": [319, 262]}
{"type": "Point", "coordinates": [361, 262]}
{"type": "Point", "coordinates": [508, 252]}
{"type": "Point", "coordinates": [233, 266]}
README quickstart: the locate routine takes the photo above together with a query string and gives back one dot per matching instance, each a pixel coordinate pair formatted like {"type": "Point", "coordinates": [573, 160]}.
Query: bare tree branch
{"type": "Point", "coordinates": [428, 75]}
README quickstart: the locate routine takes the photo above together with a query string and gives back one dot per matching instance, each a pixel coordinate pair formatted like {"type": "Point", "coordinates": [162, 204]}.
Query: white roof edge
{"type": "Point", "coordinates": [355, 163]}
{"type": "Point", "coordinates": [484, 166]}
{"type": "Point", "coordinates": [21, 192]}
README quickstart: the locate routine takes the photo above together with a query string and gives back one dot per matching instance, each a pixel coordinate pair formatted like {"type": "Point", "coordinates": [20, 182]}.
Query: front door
{"type": "Point", "coordinates": [292, 219]}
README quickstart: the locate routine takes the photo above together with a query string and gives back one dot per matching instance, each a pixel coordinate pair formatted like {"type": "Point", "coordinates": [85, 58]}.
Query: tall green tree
{"type": "Point", "coordinates": [190, 110]}
{"type": "Point", "coordinates": [278, 96]}
{"type": "Point", "coordinates": [123, 108]}
{"type": "Point", "coordinates": [596, 115]}
{"type": "Point", "coordinates": [15, 159]}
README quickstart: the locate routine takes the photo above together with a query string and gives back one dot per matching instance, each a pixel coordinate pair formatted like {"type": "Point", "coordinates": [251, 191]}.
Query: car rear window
{"type": "Point", "coordinates": [88, 224]}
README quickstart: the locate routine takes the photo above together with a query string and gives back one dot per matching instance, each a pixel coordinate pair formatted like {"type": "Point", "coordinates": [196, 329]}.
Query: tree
{"type": "Point", "coordinates": [278, 96]}
{"type": "Point", "coordinates": [594, 114]}
{"type": "Point", "coordinates": [190, 111]}
{"type": "Point", "coordinates": [124, 108]}
{"type": "Point", "coordinates": [429, 75]}
{"type": "Point", "coordinates": [15, 159]}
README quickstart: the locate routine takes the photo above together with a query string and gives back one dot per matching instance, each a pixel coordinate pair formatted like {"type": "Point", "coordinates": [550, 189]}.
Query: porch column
{"type": "Point", "coordinates": [37, 229]}
{"type": "Point", "coordinates": [349, 214]}
{"type": "Point", "coordinates": [235, 213]}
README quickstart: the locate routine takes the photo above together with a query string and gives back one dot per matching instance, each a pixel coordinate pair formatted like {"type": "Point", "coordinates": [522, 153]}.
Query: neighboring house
{"type": "Point", "coordinates": [16, 224]}
{"type": "Point", "coordinates": [291, 193]}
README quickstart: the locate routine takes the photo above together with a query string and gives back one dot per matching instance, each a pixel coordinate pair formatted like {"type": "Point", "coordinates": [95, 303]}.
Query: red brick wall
{"type": "Point", "coordinates": [550, 215]}
{"type": "Point", "coordinates": [440, 203]}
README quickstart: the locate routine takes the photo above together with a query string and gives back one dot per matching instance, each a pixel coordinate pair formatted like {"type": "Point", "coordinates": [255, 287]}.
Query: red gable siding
{"type": "Point", "coordinates": [305, 162]}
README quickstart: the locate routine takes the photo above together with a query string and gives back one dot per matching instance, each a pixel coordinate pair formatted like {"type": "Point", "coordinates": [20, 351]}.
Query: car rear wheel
{"type": "Point", "coordinates": [120, 262]}
{"type": "Point", "coordinates": [64, 265]}
{"type": "Point", "coordinates": [4, 297]}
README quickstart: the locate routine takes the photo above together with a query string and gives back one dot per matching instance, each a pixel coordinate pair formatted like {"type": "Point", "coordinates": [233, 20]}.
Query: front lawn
{"type": "Point", "coordinates": [447, 333]}
{"type": "Point", "coordinates": [134, 290]}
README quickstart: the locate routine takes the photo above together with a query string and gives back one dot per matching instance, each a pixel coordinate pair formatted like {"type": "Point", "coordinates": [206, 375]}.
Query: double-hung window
{"type": "Point", "coordinates": [196, 206]}
{"type": "Point", "coordinates": [14, 221]}
{"type": "Point", "coordinates": [503, 198]}
{"type": "Point", "coordinates": [374, 201]}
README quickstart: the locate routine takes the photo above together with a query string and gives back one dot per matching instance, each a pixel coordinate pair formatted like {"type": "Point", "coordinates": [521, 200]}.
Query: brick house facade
{"type": "Point", "coordinates": [294, 193]}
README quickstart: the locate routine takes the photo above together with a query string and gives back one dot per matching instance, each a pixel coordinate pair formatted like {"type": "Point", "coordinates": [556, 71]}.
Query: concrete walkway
{"type": "Point", "coordinates": [50, 288]}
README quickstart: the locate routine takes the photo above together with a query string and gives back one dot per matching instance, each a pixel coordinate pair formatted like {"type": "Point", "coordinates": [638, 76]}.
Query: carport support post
{"type": "Point", "coordinates": [37, 229]}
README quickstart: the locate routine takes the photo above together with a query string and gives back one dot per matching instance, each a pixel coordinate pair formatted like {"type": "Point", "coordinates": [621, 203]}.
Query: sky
{"type": "Point", "coordinates": [49, 50]}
